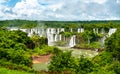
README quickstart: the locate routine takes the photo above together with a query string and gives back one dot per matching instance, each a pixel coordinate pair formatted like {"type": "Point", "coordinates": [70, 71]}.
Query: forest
{"type": "Point", "coordinates": [17, 49]}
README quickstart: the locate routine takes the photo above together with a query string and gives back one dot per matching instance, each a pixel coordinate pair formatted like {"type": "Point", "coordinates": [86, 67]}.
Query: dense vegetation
{"type": "Point", "coordinates": [16, 48]}
{"type": "Point", "coordinates": [61, 24]}
{"type": "Point", "coordinates": [89, 39]}
{"type": "Point", "coordinates": [107, 62]}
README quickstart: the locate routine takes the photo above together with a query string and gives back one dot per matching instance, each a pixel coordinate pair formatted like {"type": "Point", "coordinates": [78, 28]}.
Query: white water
{"type": "Point", "coordinates": [102, 31]}
{"type": "Point", "coordinates": [71, 30]}
{"type": "Point", "coordinates": [56, 37]}
{"type": "Point", "coordinates": [111, 31]}
{"type": "Point", "coordinates": [103, 41]}
{"type": "Point", "coordinates": [80, 30]}
{"type": "Point", "coordinates": [53, 35]}
{"type": "Point", "coordinates": [60, 37]}
{"type": "Point", "coordinates": [72, 41]}
{"type": "Point", "coordinates": [95, 30]}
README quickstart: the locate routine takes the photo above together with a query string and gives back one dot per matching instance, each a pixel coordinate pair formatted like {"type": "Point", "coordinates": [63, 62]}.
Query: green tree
{"type": "Point", "coordinates": [85, 66]}
{"type": "Point", "coordinates": [62, 61]}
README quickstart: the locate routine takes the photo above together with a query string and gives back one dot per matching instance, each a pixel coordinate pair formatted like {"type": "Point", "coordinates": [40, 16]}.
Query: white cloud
{"type": "Point", "coordinates": [2, 8]}
{"type": "Point", "coordinates": [27, 9]}
{"type": "Point", "coordinates": [95, 1]}
{"type": "Point", "coordinates": [61, 10]}
{"type": "Point", "coordinates": [3, 1]}
{"type": "Point", "coordinates": [118, 1]}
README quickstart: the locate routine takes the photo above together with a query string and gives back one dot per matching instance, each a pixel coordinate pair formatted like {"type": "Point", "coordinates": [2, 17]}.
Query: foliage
{"type": "Point", "coordinates": [90, 35]}
{"type": "Point", "coordinates": [95, 45]}
{"type": "Point", "coordinates": [16, 56]}
{"type": "Point", "coordinates": [85, 66]}
{"type": "Point", "coordinates": [43, 50]}
{"type": "Point", "coordinates": [14, 50]}
{"type": "Point", "coordinates": [88, 39]}
{"type": "Point", "coordinates": [21, 67]}
{"type": "Point", "coordinates": [108, 61]}
{"type": "Point", "coordinates": [15, 47]}
{"type": "Point", "coordinates": [13, 39]}
{"type": "Point", "coordinates": [60, 43]}
{"type": "Point", "coordinates": [113, 45]}
{"type": "Point", "coordinates": [8, 71]}
{"type": "Point", "coordinates": [39, 41]}
{"type": "Point", "coordinates": [67, 34]}
{"type": "Point", "coordinates": [62, 61]}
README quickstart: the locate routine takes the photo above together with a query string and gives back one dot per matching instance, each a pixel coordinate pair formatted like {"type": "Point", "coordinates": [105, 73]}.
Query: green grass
{"type": "Point", "coordinates": [8, 71]}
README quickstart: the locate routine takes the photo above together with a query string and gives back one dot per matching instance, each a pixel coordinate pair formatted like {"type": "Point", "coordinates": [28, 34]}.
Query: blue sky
{"type": "Point", "coordinates": [61, 10]}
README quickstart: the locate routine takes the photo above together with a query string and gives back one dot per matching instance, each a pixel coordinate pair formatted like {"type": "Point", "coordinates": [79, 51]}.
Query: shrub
{"type": "Point", "coordinates": [61, 62]}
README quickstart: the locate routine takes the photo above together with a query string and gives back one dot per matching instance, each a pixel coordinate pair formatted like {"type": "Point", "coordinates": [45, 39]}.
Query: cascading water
{"type": "Point", "coordinates": [13, 28]}
{"type": "Point", "coordinates": [103, 41]}
{"type": "Point", "coordinates": [80, 30]}
{"type": "Point", "coordinates": [50, 36]}
{"type": "Point", "coordinates": [54, 35]}
{"type": "Point", "coordinates": [71, 30]}
{"type": "Point", "coordinates": [95, 30]}
{"type": "Point", "coordinates": [111, 31]}
{"type": "Point", "coordinates": [72, 42]}
{"type": "Point", "coordinates": [102, 31]}
{"type": "Point", "coordinates": [60, 37]}
{"type": "Point", "coordinates": [62, 30]}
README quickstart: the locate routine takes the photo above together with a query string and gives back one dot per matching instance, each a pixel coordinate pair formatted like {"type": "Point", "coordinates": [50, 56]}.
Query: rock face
{"type": "Point", "coordinates": [54, 34]}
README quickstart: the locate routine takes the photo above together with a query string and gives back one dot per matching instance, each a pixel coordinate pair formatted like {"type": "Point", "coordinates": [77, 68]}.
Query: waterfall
{"type": "Point", "coordinates": [50, 39]}
{"type": "Point", "coordinates": [58, 30]}
{"type": "Point", "coordinates": [102, 31]}
{"type": "Point", "coordinates": [56, 37]}
{"type": "Point", "coordinates": [88, 41]}
{"type": "Point", "coordinates": [95, 30]}
{"type": "Point", "coordinates": [13, 28]}
{"type": "Point", "coordinates": [50, 36]}
{"type": "Point", "coordinates": [52, 31]}
{"type": "Point", "coordinates": [43, 33]}
{"type": "Point", "coordinates": [24, 30]}
{"type": "Point", "coordinates": [80, 30]}
{"type": "Point", "coordinates": [71, 30]}
{"type": "Point", "coordinates": [29, 31]}
{"type": "Point", "coordinates": [62, 29]}
{"type": "Point", "coordinates": [60, 37]}
{"type": "Point", "coordinates": [102, 41]}
{"type": "Point", "coordinates": [72, 42]}
{"type": "Point", "coordinates": [111, 31]}
{"type": "Point", "coordinates": [53, 35]}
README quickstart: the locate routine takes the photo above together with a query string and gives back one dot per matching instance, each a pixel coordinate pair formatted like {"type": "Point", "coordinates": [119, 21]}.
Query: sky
{"type": "Point", "coordinates": [60, 10]}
